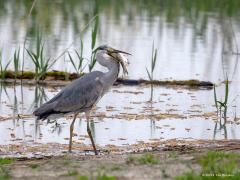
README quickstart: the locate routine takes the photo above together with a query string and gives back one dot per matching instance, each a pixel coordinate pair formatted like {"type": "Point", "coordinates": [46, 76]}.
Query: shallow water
{"type": "Point", "coordinates": [190, 36]}
{"type": "Point", "coordinates": [124, 116]}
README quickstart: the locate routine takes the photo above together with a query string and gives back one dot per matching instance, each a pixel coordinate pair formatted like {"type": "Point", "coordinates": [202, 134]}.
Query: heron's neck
{"type": "Point", "coordinates": [113, 71]}
{"type": "Point", "coordinates": [113, 68]}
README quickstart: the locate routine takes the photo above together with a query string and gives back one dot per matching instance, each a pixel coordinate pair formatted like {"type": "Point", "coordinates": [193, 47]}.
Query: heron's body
{"type": "Point", "coordinates": [82, 94]}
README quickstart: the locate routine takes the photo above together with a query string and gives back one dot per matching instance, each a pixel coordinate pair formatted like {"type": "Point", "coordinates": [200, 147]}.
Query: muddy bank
{"type": "Point", "coordinates": [169, 163]}
{"type": "Point", "coordinates": [59, 78]}
{"type": "Point", "coordinates": [28, 150]}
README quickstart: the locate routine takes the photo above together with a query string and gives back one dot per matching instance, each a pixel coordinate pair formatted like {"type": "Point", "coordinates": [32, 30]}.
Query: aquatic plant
{"type": "Point", "coordinates": [222, 106]}
{"type": "Point", "coordinates": [41, 63]}
{"type": "Point", "coordinates": [16, 62]}
{"type": "Point", "coordinates": [78, 67]}
{"type": "Point", "coordinates": [94, 38]}
{"type": "Point", "coordinates": [153, 63]}
{"type": "Point", "coordinates": [3, 69]}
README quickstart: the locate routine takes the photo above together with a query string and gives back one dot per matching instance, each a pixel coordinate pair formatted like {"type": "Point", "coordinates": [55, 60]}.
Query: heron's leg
{"type": "Point", "coordinates": [71, 132]}
{"type": "Point", "coordinates": [90, 133]}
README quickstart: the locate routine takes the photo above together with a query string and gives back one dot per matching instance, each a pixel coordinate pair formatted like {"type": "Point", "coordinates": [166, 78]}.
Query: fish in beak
{"type": "Point", "coordinates": [118, 56]}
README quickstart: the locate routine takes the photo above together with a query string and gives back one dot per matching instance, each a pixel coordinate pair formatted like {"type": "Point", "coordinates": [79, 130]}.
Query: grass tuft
{"type": "Point", "coordinates": [115, 168]}
{"type": "Point", "coordinates": [99, 177]}
{"type": "Point", "coordinates": [34, 166]}
{"type": "Point", "coordinates": [148, 159]}
{"type": "Point", "coordinates": [72, 173]}
{"type": "Point", "coordinates": [4, 174]}
{"type": "Point", "coordinates": [219, 162]}
{"type": "Point", "coordinates": [215, 165]}
{"type": "Point", "coordinates": [105, 177]}
{"type": "Point", "coordinates": [6, 161]}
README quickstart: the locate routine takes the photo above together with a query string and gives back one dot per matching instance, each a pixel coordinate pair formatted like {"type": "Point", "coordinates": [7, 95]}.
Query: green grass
{"type": "Point", "coordinates": [189, 176]}
{"type": "Point", "coordinates": [83, 178]}
{"type": "Point", "coordinates": [173, 154]}
{"type": "Point", "coordinates": [105, 177]}
{"type": "Point", "coordinates": [6, 161]}
{"type": "Point", "coordinates": [72, 173]}
{"type": "Point", "coordinates": [4, 174]}
{"type": "Point", "coordinates": [34, 166]}
{"type": "Point", "coordinates": [146, 159]}
{"type": "Point", "coordinates": [99, 177]}
{"type": "Point", "coordinates": [214, 165]}
{"type": "Point", "coordinates": [115, 168]}
{"type": "Point", "coordinates": [219, 162]}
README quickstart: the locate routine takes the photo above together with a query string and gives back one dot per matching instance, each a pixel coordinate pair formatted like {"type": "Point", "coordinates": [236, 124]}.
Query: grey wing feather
{"type": "Point", "coordinates": [81, 94]}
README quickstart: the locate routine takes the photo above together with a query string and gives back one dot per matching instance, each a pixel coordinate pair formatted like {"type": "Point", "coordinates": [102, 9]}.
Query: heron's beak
{"type": "Point", "coordinates": [118, 56]}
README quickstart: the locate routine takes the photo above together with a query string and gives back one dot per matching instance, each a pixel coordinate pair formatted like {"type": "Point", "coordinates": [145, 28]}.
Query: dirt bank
{"type": "Point", "coordinates": [168, 163]}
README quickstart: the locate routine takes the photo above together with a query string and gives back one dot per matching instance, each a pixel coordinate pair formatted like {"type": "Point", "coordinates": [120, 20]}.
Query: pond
{"type": "Point", "coordinates": [124, 116]}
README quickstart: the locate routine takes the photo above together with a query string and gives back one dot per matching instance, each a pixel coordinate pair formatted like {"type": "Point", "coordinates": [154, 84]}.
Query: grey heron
{"type": "Point", "coordinates": [83, 93]}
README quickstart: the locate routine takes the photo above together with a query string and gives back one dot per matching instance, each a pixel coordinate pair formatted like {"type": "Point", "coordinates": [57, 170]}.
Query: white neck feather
{"type": "Point", "coordinates": [112, 65]}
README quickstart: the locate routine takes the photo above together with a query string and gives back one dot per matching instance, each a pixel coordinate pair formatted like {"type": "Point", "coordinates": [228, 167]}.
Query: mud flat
{"type": "Point", "coordinates": [169, 162]}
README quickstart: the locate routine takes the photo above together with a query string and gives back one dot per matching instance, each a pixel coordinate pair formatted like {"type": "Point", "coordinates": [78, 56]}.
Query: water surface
{"type": "Point", "coordinates": [195, 39]}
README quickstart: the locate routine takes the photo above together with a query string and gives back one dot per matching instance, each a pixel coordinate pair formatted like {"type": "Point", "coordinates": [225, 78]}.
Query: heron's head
{"type": "Point", "coordinates": [117, 55]}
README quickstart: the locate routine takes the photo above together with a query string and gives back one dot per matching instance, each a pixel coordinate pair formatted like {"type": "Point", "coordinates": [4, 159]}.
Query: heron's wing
{"type": "Point", "coordinates": [81, 94]}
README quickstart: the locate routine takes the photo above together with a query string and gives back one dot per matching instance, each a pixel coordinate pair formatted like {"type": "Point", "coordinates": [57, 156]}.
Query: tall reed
{"type": "Point", "coordinates": [153, 63]}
